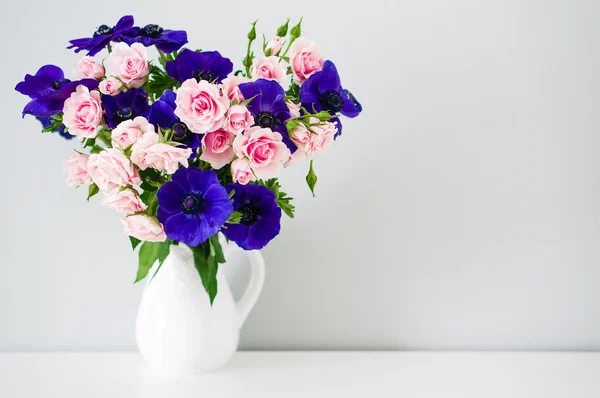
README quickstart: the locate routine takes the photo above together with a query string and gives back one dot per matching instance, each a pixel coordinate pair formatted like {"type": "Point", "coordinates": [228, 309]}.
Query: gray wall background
{"type": "Point", "coordinates": [460, 211]}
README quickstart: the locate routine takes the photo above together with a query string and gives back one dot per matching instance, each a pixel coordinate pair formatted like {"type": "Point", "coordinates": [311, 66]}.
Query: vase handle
{"type": "Point", "coordinates": [255, 285]}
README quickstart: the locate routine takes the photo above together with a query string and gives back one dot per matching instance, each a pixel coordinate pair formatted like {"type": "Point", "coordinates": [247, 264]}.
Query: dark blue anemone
{"type": "Point", "coordinates": [103, 36]}
{"type": "Point", "coordinates": [268, 107]}
{"type": "Point", "coordinates": [124, 106]}
{"type": "Point", "coordinates": [165, 40]}
{"type": "Point", "coordinates": [323, 91]}
{"type": "Point", "coordinates": [193, 206]}
{"type": "Point", "coordinates": [162, 114]}
{"type": "Point", "coordinates": [261, 217]}
{"type": "Point", "coordinates": [48, 90]}
{"type": "Point", "coordinates": [206, 65]}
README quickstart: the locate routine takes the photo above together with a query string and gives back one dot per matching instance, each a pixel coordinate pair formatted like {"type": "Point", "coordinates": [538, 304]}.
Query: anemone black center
{"type": "Point", "coordinates": [266, 120]}
{"type": "Point", "coordinates": [332, 101]}
{"type": "Point", "coordinates": [151, 30]}
{"type": "Point", "coordinates": [181, 132]}
{"type": "Point", "coordinates": [59, 83]}
{"type": "Point", "coordinates": [125, 113]}
{"type": "Point", "coordinates": [190, 204]}
{"type": "Point", "coordinates": [249, 214]}
{"type": "Point", "coordinates": [204, 75]}
{"type": "Point", "coordinates": [103, 30]}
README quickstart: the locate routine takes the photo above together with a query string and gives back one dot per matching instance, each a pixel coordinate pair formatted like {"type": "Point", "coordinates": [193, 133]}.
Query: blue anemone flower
{"type": "Point", "coordinates": [323, 91]}
{"type": "Point", "coordinates": [162, 114]}
{"type": "Point", "coordinates": [124, 106]}
{"type": "Point", "coordinates": [206, 65]}
{"type": "Point", "coordinates": [103, 36]}
{"type": "Point", "coordinates": [261, 217]}
{"type": "Point", "coordinates": [268, 107]}
{"type": "Point", "coordinates": [165, 40]}
{"type": "Point", "coordinates": [193, 206]}
{"type": "Point", "coordinates": [48, 90]}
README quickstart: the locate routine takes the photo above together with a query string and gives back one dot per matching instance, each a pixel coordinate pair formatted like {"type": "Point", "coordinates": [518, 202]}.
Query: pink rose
{"type": "Point", "coordinates": [110, 86]}
{"type": "Point", "coordinates": [110, 170]}
{"type": "Point", "coordinates": [201, 106]}
{"type": "Point", "coordinates": [268, 68]}
{"type": "Point", "coordinates": [148, 152]}
{"type": "Point", "coordinates": [129, 131]}
{"type": "Point", "coordinates": [241, 171]}
{"type": "Point", "coordinates": [231, 89]}
{"type": "Point", "coordinates": [238, 119]}
{"type": "Point", "coordinates": [126, 201]}
{"type": "Point", "coordinates": [144, 228]}
{"type": "Point", "coordinates": [83, 112]}
{"type": "Point", "coordinates": [216, 148]}
{"type": "Point", "coordinates": [305, 59]}
{"type": "Point", "coordinates": [295, 158]}
{"type": "Point", "coordinates": [293, 108]}
{"type": "Point", "coordinates": [263, 149]}
{"type": "Point", "coordinates": [317, 141]}
{"type": "Point", "coordinates": [88, 68]}
{"type": "Point", "coordinates": [275, 45]}
{"type": "Point", "coordinates": [129, 64]}
{"type": "Point", "coordinates": [76, 168]}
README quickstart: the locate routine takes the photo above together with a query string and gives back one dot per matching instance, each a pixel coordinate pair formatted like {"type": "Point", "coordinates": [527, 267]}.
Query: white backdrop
{"type": "Point", "coordinates": [460, 211]}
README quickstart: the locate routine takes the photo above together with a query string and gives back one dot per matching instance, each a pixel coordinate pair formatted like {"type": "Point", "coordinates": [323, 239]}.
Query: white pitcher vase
{"type": "Point", "coordinates": [178, 331]}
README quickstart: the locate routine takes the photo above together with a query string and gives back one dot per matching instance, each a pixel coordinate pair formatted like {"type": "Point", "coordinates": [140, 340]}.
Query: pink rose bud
{"type": "Point", "coordinates": [231, 89]}
{"type": "Point", "coordinates": [144, 228]}
{"type": "Point", "coordinates": [148, 152]}
{"type": "Point", "coordinates": [305, 59]}
{"type": "Point", "coordinates": [110, 86]}
{"type": "Point", "coordinates": [201, 106]}
{"type": "Point", "coordinates": [88, 68]}
{"type": "Point", "coordinates": [264, 149]}
{"type": "Point", "coordinates": [83, 112]}
{"type": "Point", "coordinates": [268, 68]}
{"type": "Point", "coordinates": [129, 64]}
{"type": "Point", "coordinates": [275, 45]}
{"type": "Point", "coordinates": [76, 168]}
{"type": "Point", "coordinates": [315, 142]}
{"type": "Point", "coordinates": [129, 131]}
{"type": "Point", "coordinates": [216, 148]}
{"type": "Point", "coordinates": [293, 108]}
{"type": "Point", "coordinates": [110, 170]}
{"type": "Point", "coordinates": [241, 171]}
{"type": "Point", "coordinates": [124, 201]}
{"type": "Point", "coordinates": [238, 119]}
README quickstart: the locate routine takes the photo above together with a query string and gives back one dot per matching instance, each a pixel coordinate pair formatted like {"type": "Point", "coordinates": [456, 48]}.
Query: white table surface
{"type": "Point", "coordinates": [308, 374]}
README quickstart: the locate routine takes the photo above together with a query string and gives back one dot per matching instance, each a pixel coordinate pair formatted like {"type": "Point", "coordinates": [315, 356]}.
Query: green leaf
{"type": "Point", "coordinates": [293, 91]}
{"type": "Point", "coordinates": [234, 218]}
{"type": "Point", "coordinates": [311, 178]}
{"type": "Point", "coordinates": [92, 190]}
{"type": "Point", "coordinates": [207, 267]}
{"type": "Point", "coordinates": [283, 29]}
{"type": "Point", "coordinates": [134, 242]}
{"type": "Point", "coordinates": [283, 201]}
{"type": "Point", "coordinates": [149, 253]}
{"type": "Point", "coordinates": [216, 244]}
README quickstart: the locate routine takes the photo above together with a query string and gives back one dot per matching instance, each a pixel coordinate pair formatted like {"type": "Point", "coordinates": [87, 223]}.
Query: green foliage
{"type": "Point", "coordinates": [234, 218]}
{"type": "Point", "coordinates": [207, 257]}
{"type": "Point", "coordinates": [151, 179]}
{"type": "Point", "coordinates": [160, 81]}
{"type": "Point", "coordinates": [283, 29]}
{"type": "Point", "coordinates": [149, 253]}
{"type": "Point", "coordinates": [311, 179]}
{"type": "Point", "coordinates": [149, 199]}
{"type": "Point", "coordinates": [247, 62]}
{"type": "Point", "coordinates": [92, 190]}
{"type": "Point", "coordinates": [134, 242]}
{"type": "Point", "coordinates": [283, 201]}
{"type": "Point", "coordinates": [293, 91]}
{"type": "Point", "coordinates": [55, 124]}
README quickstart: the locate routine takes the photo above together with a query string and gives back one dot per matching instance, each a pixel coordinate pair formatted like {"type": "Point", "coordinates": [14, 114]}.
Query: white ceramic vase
{"type": "Point", "coordinates": [178, 331]}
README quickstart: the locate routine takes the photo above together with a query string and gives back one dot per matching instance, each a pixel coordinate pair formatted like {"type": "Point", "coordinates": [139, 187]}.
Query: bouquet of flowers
{"type": "Point", "coordinates": [184, 147]}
